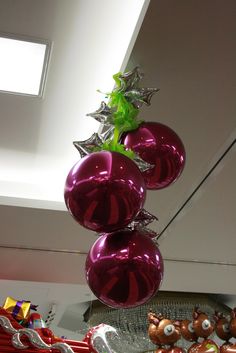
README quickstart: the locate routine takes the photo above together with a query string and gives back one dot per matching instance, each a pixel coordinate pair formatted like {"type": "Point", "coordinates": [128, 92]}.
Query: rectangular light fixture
{"type": "Point", "coordinates": [23, 64]}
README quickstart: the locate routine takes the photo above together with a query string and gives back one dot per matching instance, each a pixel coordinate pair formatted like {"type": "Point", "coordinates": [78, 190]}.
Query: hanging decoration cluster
{"type": "Point", "coordinates": [105, 192]}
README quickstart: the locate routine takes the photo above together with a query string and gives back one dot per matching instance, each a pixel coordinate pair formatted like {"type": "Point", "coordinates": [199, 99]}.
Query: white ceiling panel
{"type": "Point", "coordinates": [89, 44]}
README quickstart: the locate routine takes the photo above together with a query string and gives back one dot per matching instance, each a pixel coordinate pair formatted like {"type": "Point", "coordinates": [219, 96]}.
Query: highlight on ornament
{"type": "Point", "coordinates": [105, 192]}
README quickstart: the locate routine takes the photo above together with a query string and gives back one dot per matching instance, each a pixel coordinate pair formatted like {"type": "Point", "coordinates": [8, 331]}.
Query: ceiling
{"type": "Point", "coordinates": [185, 48]}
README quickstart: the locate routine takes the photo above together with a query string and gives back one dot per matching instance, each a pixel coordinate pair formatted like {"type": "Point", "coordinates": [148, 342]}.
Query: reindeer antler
{"type": "Point", "coordinates": [153, 318]}
{"type": "Point", "coordinates": [233, 313]}
{"type": "Point", "coordinates": [218, 315]}
{"type": "Point", "coordinates": [196, 312]}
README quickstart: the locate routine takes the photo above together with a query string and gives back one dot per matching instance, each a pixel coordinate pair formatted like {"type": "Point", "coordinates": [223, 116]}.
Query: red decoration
{"type": "Point", "coordinates": [124, 269]}
{"type": "Point", "coordinates": [160, 146]}
{"type": "Point", "coordinates": [7, 346]}
{"type": "Point", "coordinates": [104, 191]}
{"type": "Point", "coordinates": [16, 338]}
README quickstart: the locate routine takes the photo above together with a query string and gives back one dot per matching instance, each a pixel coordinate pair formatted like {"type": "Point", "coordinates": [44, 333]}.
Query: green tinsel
{"type": "Point", "coordinates": [124, 119]}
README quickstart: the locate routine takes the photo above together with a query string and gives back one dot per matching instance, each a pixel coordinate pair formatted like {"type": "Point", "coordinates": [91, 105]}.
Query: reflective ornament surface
{"type": "Point", "coordinates": [168, 332]}
{"type": "Point", "coordinates": [187, 331]}
{"type": "Point", "coordinates": [202, 325]}
{"type": "Point", "coordinates": [232, 325]}
{"type": "Point", "coordinates": [160, 146]}
{"type": "Point", "coordinates": [205, 346]}
{"type": "Point", "coordinates": [124, 269]}
{"type": "Point", "coordinates": [104, 191]}
{"type": "Point", "coordinates": [228, 348]}
{"type": "Point", "coordinates": [222, 327]}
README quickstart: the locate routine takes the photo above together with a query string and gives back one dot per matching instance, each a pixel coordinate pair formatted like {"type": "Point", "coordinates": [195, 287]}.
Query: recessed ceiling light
{"type": "Point", "coordinates": [23, 64]}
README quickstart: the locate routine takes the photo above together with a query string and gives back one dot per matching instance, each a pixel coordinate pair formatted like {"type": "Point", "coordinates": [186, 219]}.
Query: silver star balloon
{"type": "Point", "coordinates": [130, 79]}
{"type": "Point", "coordinates": [88, 146]}
{"type": "Point", "coordinates": [143, 166]}
{"type": "Point", "coordinates": [134, 94]}
{"type": "Point", "coordinates": [103, 115]}
{"type": "Point", "coordinates": [141, 221]}
{"type": "Point", "coordinates": [107, 132]}
{"type": "Point", "coordinates": [144, 218]}
{"type": "Point", "coordinates": [139, 96]}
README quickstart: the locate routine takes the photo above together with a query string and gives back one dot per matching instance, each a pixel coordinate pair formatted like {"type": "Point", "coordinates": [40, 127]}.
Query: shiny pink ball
{"type": "Point", "coordinates": [124, 269]}
{"type": "Point", "coordinates": [157, 144]}
{"type": "Point", "coordinates": [104, 191]}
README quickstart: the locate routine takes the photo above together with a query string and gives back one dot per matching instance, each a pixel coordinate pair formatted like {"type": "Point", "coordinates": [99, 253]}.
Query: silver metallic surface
{"type": "Point", "coordinates": [6, 325]}
{"type": "Point", "coordinates": [105, 339]}
{"type": "Point", "coordinates": [134, 94]}
{"type": "Point", "coordinates": [138, 96]}
{"type": "Point", "coordinates": [33, 337]}
{"type": "Point", "coordinates": [37, 341]}
{"type": "Point", "coordinates": [130, 79]}
{"type": "Point", "coordinates": [103, 115]}
{"type": "Point", "coordinates": [143, 166]}
{"type": "Point", "coordinates": [88, 146]}
{"type": "Point", "coordinates": [144, 218]}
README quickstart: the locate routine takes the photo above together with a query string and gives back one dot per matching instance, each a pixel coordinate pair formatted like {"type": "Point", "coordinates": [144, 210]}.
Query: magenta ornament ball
{"type": "Point", "coordinates": [124, 269]}
{"type": "Point", "coordinates": [104, 191]}
{"type": "Point", "coordinates": [159, 145]}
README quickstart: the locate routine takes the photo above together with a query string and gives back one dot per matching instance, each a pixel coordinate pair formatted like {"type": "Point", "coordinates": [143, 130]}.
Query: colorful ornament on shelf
{"type": "Point", "coordinates": [105, 191]}
{"type": "Point", "coordinates": [19, 309]}
{"type": "Point", "coordinates": [159, 146]}
{"type": "Point", "coordinates": [36, 321]}
{"type": "Point", "coordinates": [153, 320]}
{"type": "Point", "coordinates": [223, 332]}
{"type": "Point", "coordinates": [99, 337]}
{"type": "Point", "coordinates": [165, 333]}
{"type": "Point", "coordinates": [222, 327]}
{"type": "Point", "coordinates": [203, 328]}
{"type": "Point", "coordinates": [232, 325]}
{"type": "Point", "coordinates": [124, 269]}
{"type": "Point", "coordinates": [187, 331]}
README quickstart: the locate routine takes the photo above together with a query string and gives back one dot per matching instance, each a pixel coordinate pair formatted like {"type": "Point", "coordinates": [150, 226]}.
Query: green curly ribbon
{"type": "Point", "coordinates": [124, 118]}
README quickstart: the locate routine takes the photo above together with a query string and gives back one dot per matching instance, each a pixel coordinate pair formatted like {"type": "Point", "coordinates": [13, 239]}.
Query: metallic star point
{"type": "Point", "coordinates": [88, 146]}
{"type": "Point", "coordinates": [103, 115]}
{"type": "Point", "coordinates": [134, 94]}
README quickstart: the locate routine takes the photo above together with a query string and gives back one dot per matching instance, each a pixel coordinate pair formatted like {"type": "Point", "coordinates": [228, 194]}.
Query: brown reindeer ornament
{"type": "Point", "coordinates": [222, 330]}
{"type": "Point", "coordinates": [153, 320]}
{"type": "Point", "coordinates": [165, 333]}
{"type": "Point", "coordinates": [203, 328]}
{"type": "Point", "coordinates": [232, 324]}
{"type": "Point", "coordinates": [188, 333]}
